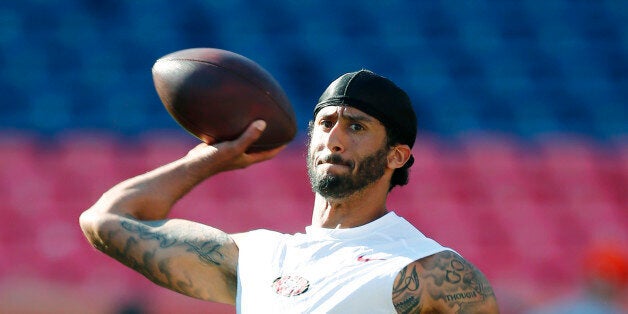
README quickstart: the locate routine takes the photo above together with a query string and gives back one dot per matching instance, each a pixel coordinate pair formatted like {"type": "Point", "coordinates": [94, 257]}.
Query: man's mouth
{"type": "Point", "coordinates": [335, 160]}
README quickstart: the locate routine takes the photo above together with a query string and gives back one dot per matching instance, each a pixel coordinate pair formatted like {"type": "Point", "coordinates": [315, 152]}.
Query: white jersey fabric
{"type": "Point", "coordinates": [327, 270]}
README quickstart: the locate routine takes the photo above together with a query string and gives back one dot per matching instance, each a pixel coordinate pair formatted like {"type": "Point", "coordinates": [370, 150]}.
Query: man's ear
{"type": "Point", "coordinates": [398, 156]}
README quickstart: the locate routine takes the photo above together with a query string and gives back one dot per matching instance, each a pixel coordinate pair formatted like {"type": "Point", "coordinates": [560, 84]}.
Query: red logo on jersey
{"type": "Point", "coordinates": [290, 286]}
{"type": "Point", "coordinates": [361, 258]}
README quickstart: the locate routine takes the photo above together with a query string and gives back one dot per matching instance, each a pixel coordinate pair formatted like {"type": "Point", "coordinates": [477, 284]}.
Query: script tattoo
{"type": "Point", "coordinates": [142, 257]}
{"type": "Point", "coordinates": [456, 282]}
{"type": "Point", "coordinates": [145, 234]}
{"type": "Point", "coordinates": [406, 291]}
{"type": "Point", "coordinates": [208, 252]}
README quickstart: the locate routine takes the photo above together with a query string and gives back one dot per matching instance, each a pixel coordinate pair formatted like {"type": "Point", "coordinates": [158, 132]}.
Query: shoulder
{"type": "Point", "coordinates": [257, 235]}
{"type": "Point", "coordinates": [443, 283]}
{"type": "Point", "coordinates": [258, 240]}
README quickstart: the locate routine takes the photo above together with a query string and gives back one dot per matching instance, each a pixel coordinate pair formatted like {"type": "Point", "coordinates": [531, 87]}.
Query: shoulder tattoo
{"type": "Point", "coordinates": [445, 282]}
{"type": "Point", "coordinates": [407, 290]}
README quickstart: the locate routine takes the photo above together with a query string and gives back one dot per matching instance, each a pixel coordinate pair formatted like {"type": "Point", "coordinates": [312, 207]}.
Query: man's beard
{"type": "Point", "coordinates": [368, 170]}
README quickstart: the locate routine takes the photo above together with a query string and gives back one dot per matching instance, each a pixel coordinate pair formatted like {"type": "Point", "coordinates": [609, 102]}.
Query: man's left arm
{"type": "Point", "coordinates": [443, 283]}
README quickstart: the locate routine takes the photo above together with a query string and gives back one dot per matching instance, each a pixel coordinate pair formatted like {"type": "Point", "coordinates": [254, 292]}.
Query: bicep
{"type": "Point", "coordinates": [445, 283]}
{"type": "Point", "coordinates": [184, 256]}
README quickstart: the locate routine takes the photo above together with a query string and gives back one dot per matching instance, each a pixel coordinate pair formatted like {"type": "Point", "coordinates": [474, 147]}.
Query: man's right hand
{"type": "Point", "coordinates": [231, 155]}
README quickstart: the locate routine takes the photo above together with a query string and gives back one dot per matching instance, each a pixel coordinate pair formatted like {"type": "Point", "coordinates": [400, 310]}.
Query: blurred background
{"type": "Point", "coordinates": [522, 157]}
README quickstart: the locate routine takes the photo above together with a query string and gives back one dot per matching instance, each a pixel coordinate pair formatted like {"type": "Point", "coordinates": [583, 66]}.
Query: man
{"type": "Point", "coordinates": [356, 257]}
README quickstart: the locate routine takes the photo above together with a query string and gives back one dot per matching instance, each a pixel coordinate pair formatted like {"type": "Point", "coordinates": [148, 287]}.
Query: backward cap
{"type": "Point", "coordinates": [377, 96]}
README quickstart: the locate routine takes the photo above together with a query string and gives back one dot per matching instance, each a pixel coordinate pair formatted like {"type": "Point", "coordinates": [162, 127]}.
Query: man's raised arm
{"type": "Point", "coordinates": [129, 222]}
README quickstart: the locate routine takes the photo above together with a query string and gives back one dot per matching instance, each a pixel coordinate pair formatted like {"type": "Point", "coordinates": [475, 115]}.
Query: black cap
{"type": "Point", "coordinates": [376, 96]}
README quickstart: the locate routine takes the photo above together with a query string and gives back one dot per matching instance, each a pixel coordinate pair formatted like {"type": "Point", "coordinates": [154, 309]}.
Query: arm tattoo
{"type": "Point", "coordinates": [456, 282]}
{"type": "Point", "coordinates": [206, 251]}
{"type": "Point", "coordinates": [405, 290]}
{"type": "Point", "coordinates": [145, 234]}
{"type": "Point", "coordinates": [144, 260]}
{"type": "Point", "coordinates": [442, 283]}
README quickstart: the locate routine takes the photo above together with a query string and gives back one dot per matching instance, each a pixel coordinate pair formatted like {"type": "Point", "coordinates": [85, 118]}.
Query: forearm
{"type": "Point", "coordinates": [150, 196]}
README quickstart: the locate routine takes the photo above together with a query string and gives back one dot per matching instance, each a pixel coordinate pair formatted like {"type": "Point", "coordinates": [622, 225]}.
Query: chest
{"type": "Point", "coordinates": [329, 277]}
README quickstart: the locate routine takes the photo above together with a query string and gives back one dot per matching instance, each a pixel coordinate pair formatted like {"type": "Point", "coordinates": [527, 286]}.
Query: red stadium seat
{"type": "Point", "coordinates": [18, 148]}
{"type": "Point", "coordinates": [83, 165]}
{"type": "Point", "coordinates": [493, 155]}
{"type": "Point", "coordinates": [161, 147]}
{"type": "Point", "coordinates": [569, 159]}
{"type": "Point", "coordinates": [19, 164]}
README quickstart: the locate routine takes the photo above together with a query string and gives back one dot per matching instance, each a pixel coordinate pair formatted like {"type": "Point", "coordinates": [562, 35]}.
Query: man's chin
{"type": "Point", "coordinates": [332, 187]}
{"type": "Point", "coordinates": [328, 179]}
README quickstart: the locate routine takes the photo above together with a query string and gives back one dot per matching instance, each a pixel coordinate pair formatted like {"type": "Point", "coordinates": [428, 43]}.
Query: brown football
{"type": "Point", "coordinates": [215, 94]}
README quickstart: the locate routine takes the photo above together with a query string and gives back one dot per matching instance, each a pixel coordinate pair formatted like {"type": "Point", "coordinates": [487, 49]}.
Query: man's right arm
{"type": "Point", "coordinates": [184, 256]}
{"type": "Point", "coordinates": [129, 223]}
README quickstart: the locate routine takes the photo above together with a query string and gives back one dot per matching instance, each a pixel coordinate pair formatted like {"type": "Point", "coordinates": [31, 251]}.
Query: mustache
{"type": "Point", "coordinates": [336, 159]}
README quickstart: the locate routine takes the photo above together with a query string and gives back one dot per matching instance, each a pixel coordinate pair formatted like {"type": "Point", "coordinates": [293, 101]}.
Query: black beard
{"type": "Point", "coordinates": [368, 170]}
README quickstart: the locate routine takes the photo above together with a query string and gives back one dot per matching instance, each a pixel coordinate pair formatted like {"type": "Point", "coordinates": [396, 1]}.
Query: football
{"type": "Point", "coordinates": [215, 94]}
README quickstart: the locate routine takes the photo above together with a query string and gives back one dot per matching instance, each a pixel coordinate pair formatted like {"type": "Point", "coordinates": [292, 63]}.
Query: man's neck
{"type": "Point", "coordinates": [355, 210]}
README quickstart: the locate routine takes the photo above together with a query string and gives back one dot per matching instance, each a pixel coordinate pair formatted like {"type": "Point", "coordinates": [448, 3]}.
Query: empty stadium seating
{"type": "Point", "coordinates": [509, 216]}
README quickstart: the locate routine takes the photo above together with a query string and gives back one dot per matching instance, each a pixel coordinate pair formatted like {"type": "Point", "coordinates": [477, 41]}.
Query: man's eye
{"type": "Point", "coordinates": [356, 127]}
{"type": "Point", "coordinates": [326, 123]}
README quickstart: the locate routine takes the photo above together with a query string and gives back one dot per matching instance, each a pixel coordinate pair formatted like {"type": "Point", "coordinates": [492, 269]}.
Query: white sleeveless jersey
{"type": "Point", "coordinates": [327, 270]}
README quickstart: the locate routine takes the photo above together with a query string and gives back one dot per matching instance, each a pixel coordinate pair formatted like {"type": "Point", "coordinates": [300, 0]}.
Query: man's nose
{"type": "Point", "coordinates": [336, 139]}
